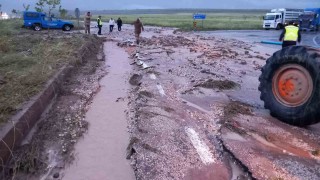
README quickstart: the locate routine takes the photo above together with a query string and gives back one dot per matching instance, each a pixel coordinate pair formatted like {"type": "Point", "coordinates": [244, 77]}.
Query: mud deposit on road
{"type": "Point", "coordinates": [49, 147]}
{"type": "Point", "coordinates": [234, 108]}
{"type": "Point", "coordinates": [135, 79]}
{"type": "Point", "coordinates": [218, 84]}
{"type": "Point", "coordinates": [196, 113]}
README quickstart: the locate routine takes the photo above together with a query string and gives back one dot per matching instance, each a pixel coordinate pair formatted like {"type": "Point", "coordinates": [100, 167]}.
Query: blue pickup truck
{"type": "Point", "coordinates": [39, 21]}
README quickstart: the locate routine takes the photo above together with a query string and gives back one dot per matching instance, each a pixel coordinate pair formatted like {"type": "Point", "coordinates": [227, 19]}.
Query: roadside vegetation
{"type": "Point", "coordinates": [184, 21]}
{"type": "Point", "coordinates": [28, 59]}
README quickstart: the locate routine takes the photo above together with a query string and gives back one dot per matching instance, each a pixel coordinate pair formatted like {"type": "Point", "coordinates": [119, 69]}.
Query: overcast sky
{"type": "Point", "coordinates": [8, 5]}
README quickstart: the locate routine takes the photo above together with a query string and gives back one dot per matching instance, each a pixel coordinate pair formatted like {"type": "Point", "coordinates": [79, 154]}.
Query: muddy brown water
{"type": "Point", "coordinates": [102, 152]}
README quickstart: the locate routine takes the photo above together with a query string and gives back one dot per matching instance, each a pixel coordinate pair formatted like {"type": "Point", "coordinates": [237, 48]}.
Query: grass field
{"type": "Point", "coordinates": [184, 21]}
{"type": "Point", "coordinates": [28, 59]}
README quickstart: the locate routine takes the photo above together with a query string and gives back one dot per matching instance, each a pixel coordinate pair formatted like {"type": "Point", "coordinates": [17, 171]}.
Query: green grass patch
{"type": "Point", "coordinates": [10, 27]}
{"type": "Point", "coordinates": [28, 59]}
{"type": "Point", "coordinates": [184, 21]}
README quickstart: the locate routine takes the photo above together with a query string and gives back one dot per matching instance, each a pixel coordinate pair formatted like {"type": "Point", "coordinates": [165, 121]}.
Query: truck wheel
{"type": "Point", "coordinates": [290, 85]}
{"type": "Point", "coordinates": [37, 27]}
{"type": "Point", "coordinates": [279, 26]}
{"type": "Point", "coordinates": [67, 28]}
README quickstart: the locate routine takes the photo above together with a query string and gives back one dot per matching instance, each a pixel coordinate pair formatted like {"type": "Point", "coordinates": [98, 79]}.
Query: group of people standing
{"type": "Point", "coordinates": [138, 26]}
{"type": "Point", "coordinates": [87, 22]}
{"type": "Point", "coordinates": [111, 24]}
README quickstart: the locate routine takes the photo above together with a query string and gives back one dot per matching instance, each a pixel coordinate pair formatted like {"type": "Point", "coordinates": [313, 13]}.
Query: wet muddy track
{"type": "Point", "coordinates": [193, 112]}
{"type": "Point", "coordinates": [196, 114]}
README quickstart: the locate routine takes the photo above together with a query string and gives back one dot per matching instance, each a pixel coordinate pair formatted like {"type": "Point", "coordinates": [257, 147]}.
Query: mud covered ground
{"type": "Point", "coordinates": [193, 113]}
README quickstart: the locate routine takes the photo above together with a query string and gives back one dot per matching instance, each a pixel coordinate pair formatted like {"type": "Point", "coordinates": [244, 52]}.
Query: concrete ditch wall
{"type": "Point", "coordinates": [12, 133]}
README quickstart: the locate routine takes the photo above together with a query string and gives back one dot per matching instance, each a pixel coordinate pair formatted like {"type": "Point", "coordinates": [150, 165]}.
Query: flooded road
{"type": "Point", "coordinates": [256, 36]}
{"type": "Point", "coordinates": [193, 112]}
{"type": "Point", "coordinates": [101, 154]}
{"type": "Point", "coordinates": [197, 110]}
{"type": "Point", "coordinates": [186, 106]}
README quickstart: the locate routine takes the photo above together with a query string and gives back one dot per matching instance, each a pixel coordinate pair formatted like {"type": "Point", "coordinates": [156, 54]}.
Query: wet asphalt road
{"type": "Point", "coordinates": [256, 36]}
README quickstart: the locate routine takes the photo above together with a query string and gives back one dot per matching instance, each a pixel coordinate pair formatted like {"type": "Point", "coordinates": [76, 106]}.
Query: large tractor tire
{"type": "Point", "coordinates": [290, 85]}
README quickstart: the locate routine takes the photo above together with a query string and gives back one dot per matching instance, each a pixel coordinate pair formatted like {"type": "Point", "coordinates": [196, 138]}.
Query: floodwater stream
{"type": "Point", "coordinates": [102, 152]}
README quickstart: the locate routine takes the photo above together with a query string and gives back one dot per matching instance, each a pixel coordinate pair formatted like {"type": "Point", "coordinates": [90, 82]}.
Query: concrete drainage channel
{"type": "Point", "coordinates": [24, 145]}
{"type": "Point", "coordinates": [15, 131]}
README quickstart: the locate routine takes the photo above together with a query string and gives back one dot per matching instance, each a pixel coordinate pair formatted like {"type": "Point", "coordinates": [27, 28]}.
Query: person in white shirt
{"type": "Point", "coordinates": [111, 24]}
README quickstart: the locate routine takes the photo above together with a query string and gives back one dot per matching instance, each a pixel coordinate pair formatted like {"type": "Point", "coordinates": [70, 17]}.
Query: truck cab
{"type": "Point", "coordinates": [38, 21]}
{"type": "Point", "coordinates": [277, 18]}
{"type": "Point", "coordinates": [273, 21]}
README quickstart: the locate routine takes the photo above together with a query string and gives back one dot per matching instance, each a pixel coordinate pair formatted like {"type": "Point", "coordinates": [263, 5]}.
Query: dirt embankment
{"type": "Point", "coordinates": [50, 147]}
{"type": "Point", "coordinates": [28, 60]}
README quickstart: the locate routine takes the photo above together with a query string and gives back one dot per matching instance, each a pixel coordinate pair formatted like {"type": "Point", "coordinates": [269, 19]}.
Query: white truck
{"type": "Point", "coordinates": [277, 18]}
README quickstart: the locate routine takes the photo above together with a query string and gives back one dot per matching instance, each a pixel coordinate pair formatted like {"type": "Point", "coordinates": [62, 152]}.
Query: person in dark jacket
{"type": "Point", "coordinates": [138, 28]}
{"type": "Point", "coordinates": [119, 23]}
{"type": "Point", "coordinates": [290, 35]}
{"type": "Point", "coordinates": [87, 21]}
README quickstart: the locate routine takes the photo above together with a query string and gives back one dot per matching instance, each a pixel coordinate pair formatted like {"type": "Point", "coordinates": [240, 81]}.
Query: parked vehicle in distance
{"type": "Point", "coordinates": [39, 21]}
{"type": "Point", "coordinates": [277, 18]}
{"type": "Point", "coordinates": [310, 19]}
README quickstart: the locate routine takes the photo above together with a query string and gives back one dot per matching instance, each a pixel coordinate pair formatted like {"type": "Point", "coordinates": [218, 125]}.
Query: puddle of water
{"type": "Point", "coordinates": [204, 103]}
{"type": "Point", "coordinates": [207, 98]}
{"type": "Point", "coordinates": [234, 136]}
{"type": "Point", "coordinates": [102, 152]}
{"type": "Point", "coordinates": [249, 86]}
